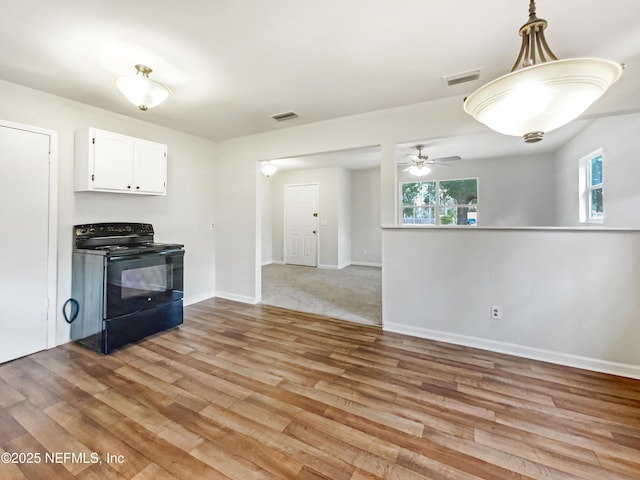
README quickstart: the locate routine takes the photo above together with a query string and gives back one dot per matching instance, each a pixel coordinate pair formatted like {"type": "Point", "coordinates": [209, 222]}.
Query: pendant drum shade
{"type": "Point", "coordinates": [543, 97]}
{"type": "Point", "coordinates": [541, 93]}
{"type": "Point", "coordinates": [140, 90]}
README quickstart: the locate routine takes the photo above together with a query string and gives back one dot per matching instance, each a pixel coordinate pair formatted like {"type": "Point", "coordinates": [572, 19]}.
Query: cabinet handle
{"type": "Point", "coordinates": [129, 186]}
{"type": "Point", "coordinates": [138, 187]}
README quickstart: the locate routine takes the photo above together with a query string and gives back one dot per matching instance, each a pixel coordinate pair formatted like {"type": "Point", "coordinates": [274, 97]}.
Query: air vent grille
{"type": "Point", "coordinates": [463, 77]}
{"type": "Point", "coordinates": [281, 117]}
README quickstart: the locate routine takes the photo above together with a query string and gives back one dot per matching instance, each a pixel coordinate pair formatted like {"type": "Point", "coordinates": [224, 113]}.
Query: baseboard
{"type": "Point", "coordinates": [367, 264]}
{"type": "Point", "coordinates": [190, 300]}
{"type": "Point", "coordinates": [328, 267]}
{"type": "Point", "coordinates": [236, 298]}
{"type": "Point", "coordinates": [273, 262]}
{"type": "Point", "coordinates": [594, 364]}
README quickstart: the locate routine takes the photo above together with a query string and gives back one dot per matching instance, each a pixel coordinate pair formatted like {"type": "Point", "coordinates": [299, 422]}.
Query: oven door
{"type": "Point", "coordinates": [140, 282]}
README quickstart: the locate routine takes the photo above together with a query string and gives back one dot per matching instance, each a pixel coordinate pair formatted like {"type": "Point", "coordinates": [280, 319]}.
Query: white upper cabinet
{"type": "Point", "coordinates": [110, 162]}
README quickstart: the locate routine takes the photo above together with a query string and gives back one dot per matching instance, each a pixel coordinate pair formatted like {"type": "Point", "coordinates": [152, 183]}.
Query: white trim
{"type": "Point", "coordinates": [594, 364]}
{"type": "Point", "coordinates": [198, 298]}
{"type": "Point", "coordinates": [52, 247]}
{"type": "Point", "coordinates": [367, 264]}
{"type": "Point", "coordinates": [52, 314]}
{"type": "Point", "coordinates": [273, 262]}
{"type": "Point", "coordinates": [237, 298]}
{"type": "Point", "coordinates": [584, 189]}
{"type": "Point", "coordinates": [329, 267]}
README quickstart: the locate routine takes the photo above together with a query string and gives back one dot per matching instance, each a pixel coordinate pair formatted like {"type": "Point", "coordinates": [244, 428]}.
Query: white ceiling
{"type": "Point", "coordinates": [233, 63]}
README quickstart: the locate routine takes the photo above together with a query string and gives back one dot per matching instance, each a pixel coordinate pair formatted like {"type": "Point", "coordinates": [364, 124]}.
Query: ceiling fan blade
{"type": "Point", "coordinates": [447, 159]}
{"type": "Point", "coordinates": [438, 164]}
{"type": "Point", "coordinates": [413, 157]}
{"type": "Point", "coordinates": [408, 168]}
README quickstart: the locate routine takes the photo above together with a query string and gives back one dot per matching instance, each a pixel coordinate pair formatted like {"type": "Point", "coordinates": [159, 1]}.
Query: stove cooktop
{"type": "Point", "coordinates": [133, 249]}
{"type": "Point", "coordinates": [119, 239]}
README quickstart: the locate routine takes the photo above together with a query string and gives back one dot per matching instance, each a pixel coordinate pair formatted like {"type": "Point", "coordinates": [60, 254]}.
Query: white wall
{"type": "Point", "coordinates": [266, 205]}
{"type": "Point", "coordinates": [238, 277]}
{"type": "Point", "coordinates": [566, 296]}
{"type": "Point", "coordinates": [619, 138]}
{"type": "Point", "coordinates": [359, 216]}
{"type": "Point", "coordinates": [344, 218]}
{"type": "Point", "coordinates": [512, 191]}
{"type": "Point", "coordinates": [184, 216]}
{"type": "Point", "coordinates": [366, 236]}
{"type": "Point", "coordinates": [330, 208]}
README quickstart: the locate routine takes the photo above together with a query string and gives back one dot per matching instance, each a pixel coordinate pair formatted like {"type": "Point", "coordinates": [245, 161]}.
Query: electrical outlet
{"type": "Point", "coordinates": [496, 312]}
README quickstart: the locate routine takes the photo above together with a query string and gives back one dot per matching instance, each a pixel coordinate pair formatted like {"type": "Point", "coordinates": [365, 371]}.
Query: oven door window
{"type": "Point", "coordinates": [140, 282]}
{"type": "Point", "coordinates": [145, 281]}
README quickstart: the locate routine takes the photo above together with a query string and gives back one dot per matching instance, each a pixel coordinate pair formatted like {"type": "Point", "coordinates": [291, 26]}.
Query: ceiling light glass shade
{"type": "Point", "coordinates": [268, 169]}
{"type": "Point", "coordinates": [140, 90]}
{"type": "Point", "coordinates": [540, 98]}
{"type": "Point", "coordinates": [419, 171]}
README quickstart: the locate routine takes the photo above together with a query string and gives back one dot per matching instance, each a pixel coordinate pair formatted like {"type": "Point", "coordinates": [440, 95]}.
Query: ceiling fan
{"type": "Point", "coordinates": [421, 164]}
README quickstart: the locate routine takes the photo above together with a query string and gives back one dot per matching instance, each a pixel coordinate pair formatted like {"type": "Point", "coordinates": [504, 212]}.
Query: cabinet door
{"type": "Point", "coordinates": [112, 161]}
{"type": "Point", "coordinates": [150, 167]}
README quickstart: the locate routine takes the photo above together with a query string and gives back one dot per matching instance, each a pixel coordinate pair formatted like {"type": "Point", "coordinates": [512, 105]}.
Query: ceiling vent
{"type": "Point", "coordinates": [458, 78]}
{"type": "Point", "coordinates": [281, 117]}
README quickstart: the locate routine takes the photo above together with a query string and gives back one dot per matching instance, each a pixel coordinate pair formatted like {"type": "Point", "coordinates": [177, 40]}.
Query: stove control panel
{"type": "Point", "coordinates": [97, 230]}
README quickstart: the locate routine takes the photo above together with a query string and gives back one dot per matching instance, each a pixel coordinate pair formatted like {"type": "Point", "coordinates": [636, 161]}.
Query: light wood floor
{"type": "Point", "coordinates": [254, 392]}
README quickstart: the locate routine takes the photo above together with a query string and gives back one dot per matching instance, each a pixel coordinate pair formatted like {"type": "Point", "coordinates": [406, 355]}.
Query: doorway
{"type": "Point", "coordinates": [345, 282]}
{"type": "Point", "coordinates": [28, 192]}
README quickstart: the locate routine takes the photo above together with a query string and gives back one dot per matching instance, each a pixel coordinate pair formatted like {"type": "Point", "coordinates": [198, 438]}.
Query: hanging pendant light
{"type": "Point", "coordinates": [140, 90]}
{"type": "Point", "coordinates": [545, 93]}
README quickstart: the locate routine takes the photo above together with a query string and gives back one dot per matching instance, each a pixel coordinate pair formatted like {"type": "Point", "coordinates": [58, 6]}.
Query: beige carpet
{"type": "Point", "coordinates": [353, 293]}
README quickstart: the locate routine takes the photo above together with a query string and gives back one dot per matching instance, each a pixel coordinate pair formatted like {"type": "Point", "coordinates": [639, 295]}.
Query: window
{"type": "Point", "coordinates": [439, 202]}
{"type": "Point", "coordinates": [590, 184]}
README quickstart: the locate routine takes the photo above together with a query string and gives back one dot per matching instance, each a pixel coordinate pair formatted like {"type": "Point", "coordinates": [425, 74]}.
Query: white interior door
{"type": "Point", "coordinates": [301, 224]}
{"type": "Point", "coordinates": [24, 243]}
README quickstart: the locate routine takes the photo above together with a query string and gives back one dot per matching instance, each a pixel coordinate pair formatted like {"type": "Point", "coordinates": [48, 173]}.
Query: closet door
{"type": "Point", "coordinates": [24, 241]}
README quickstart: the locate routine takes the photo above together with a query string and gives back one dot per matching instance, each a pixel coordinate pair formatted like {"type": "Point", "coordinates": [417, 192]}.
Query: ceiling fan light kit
{"type": "Point", "coordinates": [422, 163]}
{"type": "Point", "coordinates": [419, 171]}
{"type": "Point", "coordinates": [541, 93]}
{"type": "Point", "coordinates": [140, 90]}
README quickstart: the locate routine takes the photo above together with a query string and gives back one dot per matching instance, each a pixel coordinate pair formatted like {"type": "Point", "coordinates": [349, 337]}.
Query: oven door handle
{"type": "Point", "coordinates": [145, 255]}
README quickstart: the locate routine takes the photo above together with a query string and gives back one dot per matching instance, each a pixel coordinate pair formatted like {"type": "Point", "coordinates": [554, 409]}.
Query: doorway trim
{"type": "Point", "coordinates": [52, 247]}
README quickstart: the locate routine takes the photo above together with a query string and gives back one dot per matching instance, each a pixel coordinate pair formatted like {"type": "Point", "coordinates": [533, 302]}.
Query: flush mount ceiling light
{"type": "Point", "coordinates": [268, 169]}
{"type": "Point", "coordinates": [140, 90]}
{"type": "Point", "coordinates": [545, 93]}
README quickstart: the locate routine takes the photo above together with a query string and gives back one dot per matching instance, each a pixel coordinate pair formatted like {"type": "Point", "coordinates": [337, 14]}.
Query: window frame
{"type": "Point", "coordinates": [585, 188]}
{"type": "Point", "coordinates": [438, 206]}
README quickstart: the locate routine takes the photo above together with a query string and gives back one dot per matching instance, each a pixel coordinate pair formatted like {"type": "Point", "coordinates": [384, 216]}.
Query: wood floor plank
{"type": "Point", "coordinates": [97, 439]}
{"type": "Point", "coordinates": [248, 391]}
